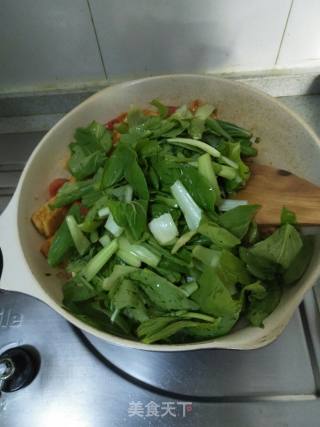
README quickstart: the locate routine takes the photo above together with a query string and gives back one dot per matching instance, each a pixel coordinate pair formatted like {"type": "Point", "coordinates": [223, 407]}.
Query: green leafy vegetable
{"type": "Point", "coordinates": [300, 263]}
{"type": "Point", "coordinates": [161, 292]}
{"type": "Point", "coordinates": [238, 220]}
{"type": "Point", "coordinates": [153, 249]}
{"type": "Point", "coordinates": [218, 235]}
{"type": "Point", "coordinates": [89, 150]}
{"type": "Point", "coordinates": [62, 242]}
{"type": "Point", "coordinates": [213, 297]}
{"type": "Point", "coordinates": [260, 307]}
{"type": "Point", "coordinates": [288, 217]}
{"type": "Point", "coordinates": [281, 247]}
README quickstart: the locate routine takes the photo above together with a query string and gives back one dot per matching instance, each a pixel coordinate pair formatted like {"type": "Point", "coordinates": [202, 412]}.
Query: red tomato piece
{"type": "Point", "coordinates": [194, 105]}
{"type": "Point", "coordinates": [55, 185]}
{"type": "Point", "coordinates": [171, 109]}
{"type": "Point", "coordinates": [83, 209]}
{"type": "Point", "coordinates": [119, 119]}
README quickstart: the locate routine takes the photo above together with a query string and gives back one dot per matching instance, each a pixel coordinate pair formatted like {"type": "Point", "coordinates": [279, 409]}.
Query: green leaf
{"type": "Point", "coordinates": [92, 313]}
{"type": "Point", "coordinates": [219, 236]}
{"type": "Point", "coordinates": [82, 164]}
{"type": "Point", "coordinates": [253, 291]}
{"type": "Point", "coordinates": [234, 130]}
{"type": "Point", "coordinates": [127, 295]}
{"type": "Point", "coordinates": [234, 153]}
{"type": "Point", "coordinates": [132, 216]}
{"type": "Point", "coordinates": [94, 134]}
{"type": "Point", "coordinates": [168, 331]}
{"type": "Point", "coordinates": [77, 289]}
{"type": "Point", "coordinates": [259, 267]}
{"type": "Point", "coordinates": [72, 191]}
{"type": "Point", "coordinates": [135, 177]}
{"type": "Point", "coordinates": [162, 109]}
{"type": "Point", "coordinates": [300, 263]}
{"type": "Point", "coordinates": [246, 148]}
{"type": "Point", "coordinates": [89, 150]}
{"type": "Point", "coordinates": [161, 292]}
{"type": "Point", "coordinates": [62, 242]}
{"type": "Point", "coordinates": [202, 331]}
{"type": "Point", "coordinates": [118, 272]}
{"type": "Point", "coordinates": [259, 308]}
{"type": "Point", "coordinates": [197, 127]}
{"type": "Point", "coordinates": [238, 220]}
{"type": "Point", "coordinates": [281, 247]}
{"type": "Point", "coordinates": [288, 217]}
{"type": "Point", "coordinates": [151, 326]}
{"type": "Point", "coordinates": [136, 213]}
{"type": "Point", "coordinates": [206, 170]}
{"type": "Point", "coordinates": [215, 127]}
{"type": "Point", "coordinates": [213, 297]}
{"type": "Point", "coordinates": [167, 171]}
{"type": "Point", "coordinates": [202, 192]}
{"type": "Point", "coordinates": [161, 251]}
{"type": "Point", "coordinates": [158, 209]}
{"type": "Point", "coordinates": [117, 164]}
{"type": "Point", "coordinates": [230, 269]}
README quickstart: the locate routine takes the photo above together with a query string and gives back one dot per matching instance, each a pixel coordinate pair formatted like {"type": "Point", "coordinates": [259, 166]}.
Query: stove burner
{"type": "Point", "coordinates": [22, 366]}
{"type": "Point", "coordinates": [211, 374]}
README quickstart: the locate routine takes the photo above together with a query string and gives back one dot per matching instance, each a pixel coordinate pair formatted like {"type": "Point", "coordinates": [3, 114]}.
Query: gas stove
{"type": "Point", "coordinates": [66, 377]}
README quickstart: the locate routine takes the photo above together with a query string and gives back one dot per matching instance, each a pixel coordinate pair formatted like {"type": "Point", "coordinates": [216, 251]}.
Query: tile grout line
{"type": "Point", "coordinates": [284, 32]}
{"type": "Point", "coordinates": [97, 40]}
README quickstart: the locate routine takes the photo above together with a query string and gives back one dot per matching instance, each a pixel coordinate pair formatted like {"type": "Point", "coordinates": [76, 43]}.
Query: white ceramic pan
{"type": "Point", "coordinates": [286, 142]}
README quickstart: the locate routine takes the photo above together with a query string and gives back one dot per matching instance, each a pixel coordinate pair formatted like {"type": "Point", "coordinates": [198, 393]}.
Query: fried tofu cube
{"type": "Point", "coordinates": [45, 246]}
{"type": "Point", "coordinates": [47, 220]}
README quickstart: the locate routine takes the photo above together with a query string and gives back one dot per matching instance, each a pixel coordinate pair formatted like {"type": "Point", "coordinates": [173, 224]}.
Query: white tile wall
{"type": "Point", "coordinates": [301, 42]}
{"type": "Point", "coordinates": [140, 37]}
{"type": "Point", "coordinates": [47, 42]}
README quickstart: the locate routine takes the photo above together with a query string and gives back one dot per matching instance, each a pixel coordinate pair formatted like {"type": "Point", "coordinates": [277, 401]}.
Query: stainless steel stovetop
{"type": "Point", "coordinates": [84, 382]}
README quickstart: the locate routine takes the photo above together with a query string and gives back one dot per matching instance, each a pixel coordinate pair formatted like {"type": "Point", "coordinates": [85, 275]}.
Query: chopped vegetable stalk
{"type": "Point", "coordinates": [204, 111]}
{"type": "Point", "coordinates": [99, 260]}
{"type": "Point", "coordinates": [119, 271]}
{"type": "Point", "coordinates": [199, 316]}
{"type": "Point", "coordinates": [123, 193]}
{"type": "Point", "coordinates": [105, 240]}
{"type": "Point", "coordinates": [62, 241]}
{"type": "Point", "coordinates": [206, 256]}
{"type": "Point", "coordinates": [128, 193]}
{"type": "Point", "coordinates": [94, 236]}
{"type": "Point", "coordinates": [164, 229]}
{"type": "Point", "coordinates": [229, 162]}
{"type": "Point", "coordinates": [80, 241]}
{"type": "Point", "coordinates": [113, 227]}
{"type": "Point", "coordinates": [199, 144]}
{"type": "Point", "coordinates": [139, 251]}
{"type": "Point", "coordinates": [183, 240]}
{"type": "Point", "coordinates": [129, 257]}
{"type": "Point", "coordinates": [190, 209]}
{"type": "Point", "coordinates": [189, 288]}
{"type": "Point", "coordinates": [228, 204]}
{"type": "Point", "coordinates": [206, 170]}
{"type": "Point", "coordinates": [224, 171]}
{"type": "Point", "coordinates": [103, 212]}
{"type": "Point", "coordinates": [114, 315]}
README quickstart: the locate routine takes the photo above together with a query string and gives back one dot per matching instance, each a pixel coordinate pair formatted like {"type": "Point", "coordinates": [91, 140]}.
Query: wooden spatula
{"type": "Point", "coordinates": [274, 188]}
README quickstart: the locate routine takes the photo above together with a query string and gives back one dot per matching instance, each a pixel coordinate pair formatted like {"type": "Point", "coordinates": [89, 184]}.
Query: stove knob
{"type": "Point", "coordinates": [18, 368]}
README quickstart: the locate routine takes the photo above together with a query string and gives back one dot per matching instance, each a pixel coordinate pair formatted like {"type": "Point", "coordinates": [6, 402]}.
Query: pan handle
{"type": "Point", "coordinates": [16, 275]}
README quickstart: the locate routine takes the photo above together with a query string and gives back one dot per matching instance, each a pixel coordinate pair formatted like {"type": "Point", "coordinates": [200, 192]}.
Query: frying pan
{"type": "Point", "coordinates": [286, 142]}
